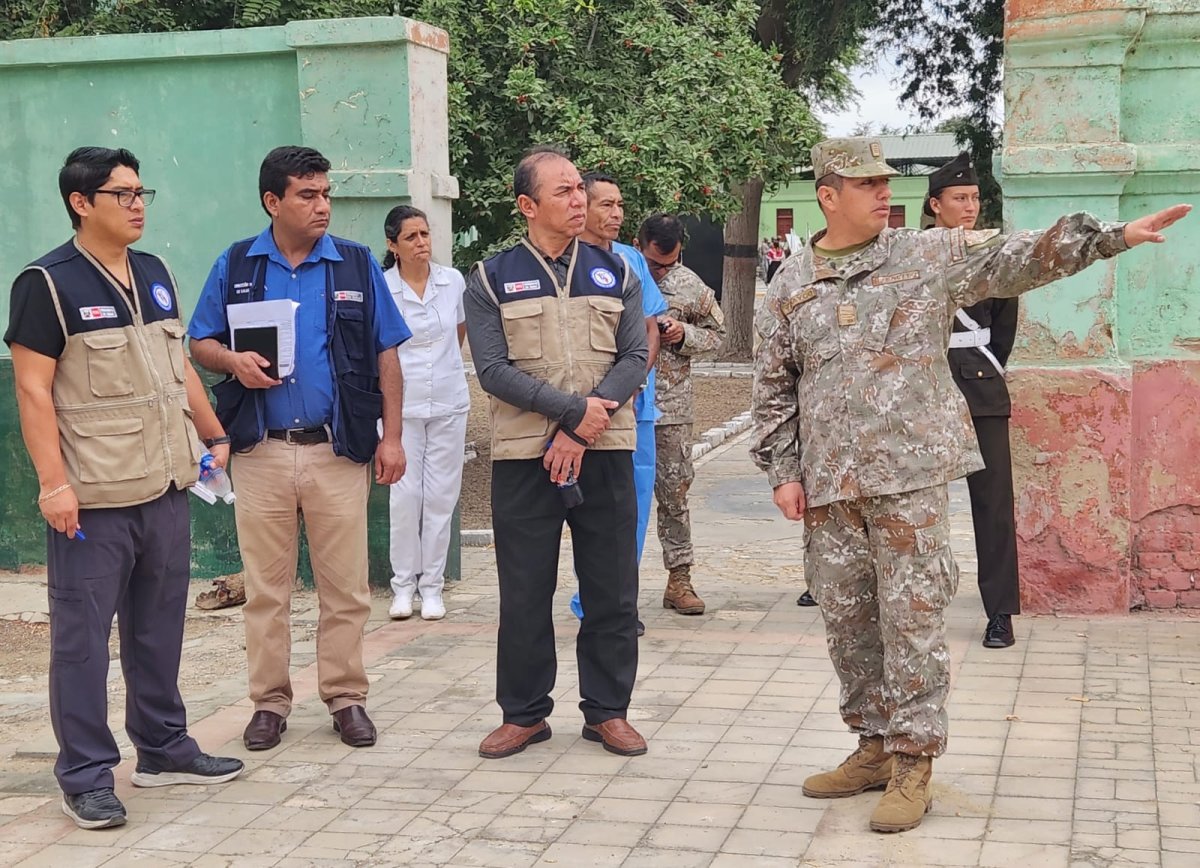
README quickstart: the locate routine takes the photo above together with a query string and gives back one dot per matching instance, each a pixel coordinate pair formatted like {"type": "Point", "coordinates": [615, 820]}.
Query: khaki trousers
{"type": "Point", "coordinates": [276, 483]}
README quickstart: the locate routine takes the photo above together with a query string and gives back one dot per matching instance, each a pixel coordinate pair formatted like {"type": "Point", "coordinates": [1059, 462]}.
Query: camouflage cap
{"type": "Point", "coordinates": [851, 158]}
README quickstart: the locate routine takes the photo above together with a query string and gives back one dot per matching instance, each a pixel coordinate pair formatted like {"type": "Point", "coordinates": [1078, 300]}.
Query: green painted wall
{"type": "Point", "coordinates": [200, 110]}
{"type": "Point", "coordinates": [1133, 150]}
{"type": "Point", "coordinates": [800, 196]}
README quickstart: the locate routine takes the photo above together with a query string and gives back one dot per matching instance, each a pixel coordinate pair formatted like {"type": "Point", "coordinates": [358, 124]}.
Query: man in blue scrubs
{"type": "Point", "coordinates": [605, 215]}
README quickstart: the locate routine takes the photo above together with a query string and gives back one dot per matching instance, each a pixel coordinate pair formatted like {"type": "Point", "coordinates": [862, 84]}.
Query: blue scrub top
{"type": "Point", "coordinates": [653, 304]}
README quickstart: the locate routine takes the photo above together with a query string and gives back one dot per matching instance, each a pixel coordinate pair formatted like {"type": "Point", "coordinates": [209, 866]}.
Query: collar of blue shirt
{"type": "Point", "coordinates": [264, 245]}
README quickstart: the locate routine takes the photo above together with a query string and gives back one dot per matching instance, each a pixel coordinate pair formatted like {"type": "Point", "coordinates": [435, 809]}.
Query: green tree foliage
{"type": "Point", "coordinates": [951, 53]}
{"type": "Point", "coordinates": [674, 99]}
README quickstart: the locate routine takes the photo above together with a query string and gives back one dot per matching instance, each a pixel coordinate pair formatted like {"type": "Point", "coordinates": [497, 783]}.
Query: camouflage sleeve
{"type": "Point", "coordinates": [774, 402]}
{"type": "Point", "coordinates": [986, 264]}
{"type": "Point", "coordinates": [706, 334]}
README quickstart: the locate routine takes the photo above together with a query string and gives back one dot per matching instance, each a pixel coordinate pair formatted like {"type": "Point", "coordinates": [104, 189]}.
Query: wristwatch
{"type": "Point", "coordinates": [210, 442]}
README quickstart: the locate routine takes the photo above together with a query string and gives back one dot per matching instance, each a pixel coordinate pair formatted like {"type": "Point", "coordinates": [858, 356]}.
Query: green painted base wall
{"type": "Point", "coordinates": [214, 537]}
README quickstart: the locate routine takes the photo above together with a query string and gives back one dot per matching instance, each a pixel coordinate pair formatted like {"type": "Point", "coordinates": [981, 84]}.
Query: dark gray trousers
{"type": "Point", "coordinates": [135, 563]}
{"type": "Point", "coordinates": [528, 516]}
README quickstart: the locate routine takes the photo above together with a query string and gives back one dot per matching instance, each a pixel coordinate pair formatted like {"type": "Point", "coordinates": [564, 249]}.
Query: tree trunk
{"type": "Point", "coordinates": [738, 274]}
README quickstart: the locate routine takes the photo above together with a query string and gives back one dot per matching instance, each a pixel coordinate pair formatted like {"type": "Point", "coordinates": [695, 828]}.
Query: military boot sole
{"type": "Point", "coordinates": [683, 610]}
{"type": "Point", "coordinates": [843, 794]}
{"type": "Point", "coordinates": [901, 827]}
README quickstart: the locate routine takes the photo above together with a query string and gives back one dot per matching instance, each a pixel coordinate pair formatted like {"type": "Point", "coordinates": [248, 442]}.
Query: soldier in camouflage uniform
{"type": "Point", "coordinates": [693, 325]}
{"type": "Point", "coordinates": [859, 426]}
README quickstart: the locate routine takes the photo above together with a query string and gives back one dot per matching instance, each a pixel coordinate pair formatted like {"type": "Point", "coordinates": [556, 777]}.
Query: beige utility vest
{"type": "Point", "coordinates": [120, 395]}
{"type": "Point", "coordinates": [561, 333]}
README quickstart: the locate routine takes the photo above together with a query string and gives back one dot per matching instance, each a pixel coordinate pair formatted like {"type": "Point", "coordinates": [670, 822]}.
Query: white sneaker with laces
{"type": "Point", "coordinates": [432, 607]}
{"type": "Point", "coordinates": [401, 606]}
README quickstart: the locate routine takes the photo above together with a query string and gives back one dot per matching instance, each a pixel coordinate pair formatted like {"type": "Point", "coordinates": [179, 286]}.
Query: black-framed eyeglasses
{"type": "Point", "coordinates": [125, 197]}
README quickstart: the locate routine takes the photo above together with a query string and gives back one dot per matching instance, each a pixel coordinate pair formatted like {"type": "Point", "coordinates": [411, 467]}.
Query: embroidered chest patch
{"type": "Point", "coordinates": [522, 286]}
{"type": "Point", "coordinates": [102, 312]}
{"type": "Point", "coordinates": [347, 295]}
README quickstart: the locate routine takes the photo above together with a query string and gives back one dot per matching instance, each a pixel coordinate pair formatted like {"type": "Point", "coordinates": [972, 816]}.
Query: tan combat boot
{"type": "Point", "coordinates": [908, 795]}
{"type": "Point", "coordinates": [868, 768]}
{"type": "Point", "coordinates": [680, 595]}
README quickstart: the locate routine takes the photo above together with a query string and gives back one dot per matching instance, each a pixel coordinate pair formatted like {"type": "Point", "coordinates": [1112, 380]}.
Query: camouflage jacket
{"type": "Point", "coordinates": [691, 302]}
{"type": "Point", "coordinates": [853, 396]}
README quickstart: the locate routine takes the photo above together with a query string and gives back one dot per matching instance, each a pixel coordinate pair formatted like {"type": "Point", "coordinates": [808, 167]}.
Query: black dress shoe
{"type": "Point", "coordinates": [263, 730]}
{"type": "Point", "coordinates": [355, 727]}
{"type": "Point", "coordinates": [641, 630]}
{"type": "Point", "coordinates": [999, 632]}
{"type": "Point", "coordinates": [806, 599]}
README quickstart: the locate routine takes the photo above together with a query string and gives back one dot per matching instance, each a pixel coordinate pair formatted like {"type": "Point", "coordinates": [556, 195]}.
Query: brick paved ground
{"type": "Point", "coordinates": [1075, 748]}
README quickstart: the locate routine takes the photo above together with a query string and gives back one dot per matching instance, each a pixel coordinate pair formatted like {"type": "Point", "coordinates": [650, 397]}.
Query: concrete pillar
{"type": "Point", "coordinates": [1100, 115]}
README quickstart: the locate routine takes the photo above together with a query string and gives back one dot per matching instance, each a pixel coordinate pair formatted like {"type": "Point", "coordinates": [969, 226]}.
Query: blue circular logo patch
{"type": "Point", "coordinates": [603, 278]}
{"type": "Point", "coordinates": [161, 296]}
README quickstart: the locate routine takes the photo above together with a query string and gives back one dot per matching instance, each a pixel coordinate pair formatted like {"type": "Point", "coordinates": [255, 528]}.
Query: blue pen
{"type": "Point", "coordinates": [79, 534]}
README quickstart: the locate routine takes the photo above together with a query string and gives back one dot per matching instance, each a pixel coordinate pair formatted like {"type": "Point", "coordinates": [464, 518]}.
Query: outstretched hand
{"type": "Point", "coordinates": [1149, 228]}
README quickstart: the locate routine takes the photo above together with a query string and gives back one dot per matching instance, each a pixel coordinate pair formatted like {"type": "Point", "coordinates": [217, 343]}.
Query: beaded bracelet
{"type": "Point", "coordinates": [55, 493]}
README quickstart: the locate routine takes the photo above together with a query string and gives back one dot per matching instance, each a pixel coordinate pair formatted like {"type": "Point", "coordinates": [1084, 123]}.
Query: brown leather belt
{"type": "Point", "coordinates": [299, 436]}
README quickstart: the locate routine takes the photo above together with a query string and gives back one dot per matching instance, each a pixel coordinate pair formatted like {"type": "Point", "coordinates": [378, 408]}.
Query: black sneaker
{"type": "Point", "coordinates": [204, 769]}
{"type": "Point", "coordinates": [999, 632]}
{"type": "Point", "coordinates": [95, 809]}
{"type": "Point", "coordinates": [806, 599]}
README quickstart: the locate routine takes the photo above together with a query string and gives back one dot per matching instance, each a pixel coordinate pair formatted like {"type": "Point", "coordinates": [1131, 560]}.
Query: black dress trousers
{"type": "Point", "coordinates": [993, 513]}
{"type": "Point", "coordinates": [528, 515]}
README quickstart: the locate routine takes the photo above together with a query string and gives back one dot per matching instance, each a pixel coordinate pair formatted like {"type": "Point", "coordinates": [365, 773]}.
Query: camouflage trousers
{"type": "Point", "coordinates": [882, 572]}
{"type": "Point", "coordinates": [673, 463]}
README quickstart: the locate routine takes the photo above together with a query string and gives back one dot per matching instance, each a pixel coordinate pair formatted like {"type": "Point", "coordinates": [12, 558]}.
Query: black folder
{"type": "Point", "coordinates": [263, 340]}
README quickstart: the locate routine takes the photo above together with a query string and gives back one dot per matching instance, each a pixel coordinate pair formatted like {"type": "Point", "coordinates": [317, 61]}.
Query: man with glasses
{"type": "Point", "coordinates": [692, 326]}
{"type": "Point", "coordinates": [112, 414]}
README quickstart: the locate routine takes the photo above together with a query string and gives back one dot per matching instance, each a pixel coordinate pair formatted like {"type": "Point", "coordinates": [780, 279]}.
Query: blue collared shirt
{"type": "Point", "coordinates": [653, 304]}
{"type": "Point", "coordinates": [305, 398]}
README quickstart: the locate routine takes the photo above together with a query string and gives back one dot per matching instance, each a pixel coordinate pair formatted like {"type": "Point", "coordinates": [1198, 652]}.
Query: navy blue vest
{"type": "Point", "coordinates": [350, 324]}
{"type": "Point", "coordinates": [91, 303]}
{"type": "Point", "coordinates": [516, 274]}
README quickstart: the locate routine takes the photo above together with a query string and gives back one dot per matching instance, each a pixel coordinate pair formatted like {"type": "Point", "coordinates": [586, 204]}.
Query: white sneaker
{"type": "Point", "coordinates": [432, 607]}
{"type": "Point", "coordinates": [401, 606]}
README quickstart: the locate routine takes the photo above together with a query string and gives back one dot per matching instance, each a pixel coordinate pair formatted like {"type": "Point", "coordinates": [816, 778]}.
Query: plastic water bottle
{"type": "Point", "coordinates": [214, 482]}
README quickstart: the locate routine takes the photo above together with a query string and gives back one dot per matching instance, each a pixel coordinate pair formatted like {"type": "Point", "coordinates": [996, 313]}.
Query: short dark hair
{"type": "Point", "coordinates": [591, 179]}
{"type": "Point", "coordinates": [525, 182]}
{"type": "Point", "coordinates": [86, 170]}
{"type": "Point", "coordinates": [664, 231]}
{"type": "Point", "coordinates": [393, 223]}
{"type": "Point", "coordinates": [287, 161]}
{"type": "Point", "coordinates": [832, 180]}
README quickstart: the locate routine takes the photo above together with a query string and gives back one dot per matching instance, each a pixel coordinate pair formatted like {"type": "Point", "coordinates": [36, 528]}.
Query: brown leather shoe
{"type": "Point", "coordinates": [680, 595]}
{"type": "Point", "coordinates": [263, 730]}
{"type": "Point", "coordinates": [354, 725]}
{"type": "Point", "coordinates": [617, 736]}
{"type": "Point", "coordinates": [509, 739]}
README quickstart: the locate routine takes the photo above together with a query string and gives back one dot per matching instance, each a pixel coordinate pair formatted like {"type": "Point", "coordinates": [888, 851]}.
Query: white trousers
{"type": "Point", "coordinates": [423, 501]}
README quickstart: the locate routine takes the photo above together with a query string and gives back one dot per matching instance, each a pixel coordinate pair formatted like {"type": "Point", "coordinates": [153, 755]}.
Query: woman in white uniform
{"type": "Point", "coordinates": [436, 401]}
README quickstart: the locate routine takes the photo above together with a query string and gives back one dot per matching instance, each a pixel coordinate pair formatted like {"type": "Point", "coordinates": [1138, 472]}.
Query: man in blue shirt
{"type": "Point", "coordinates": [305, 438]}
{"type": "Point", "coordinates": [605, 216]}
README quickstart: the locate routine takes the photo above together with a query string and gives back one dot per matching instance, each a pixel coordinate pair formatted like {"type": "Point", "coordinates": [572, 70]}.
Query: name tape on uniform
{"type": "Point", "coordinates": [347, 295]}
{"type": "Point", "coordinates": [522, 286]}
{"type": "Point", "coordinates": [889, 279]}
{"type": "Point", "coordinates": [104, 312]}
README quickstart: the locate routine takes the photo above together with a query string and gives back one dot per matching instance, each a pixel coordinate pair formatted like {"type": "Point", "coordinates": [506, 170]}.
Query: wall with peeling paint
{"type": "Point", "coordinates": [1102, 114]}
{"type": "Point", "coordinates": [201, 110]}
